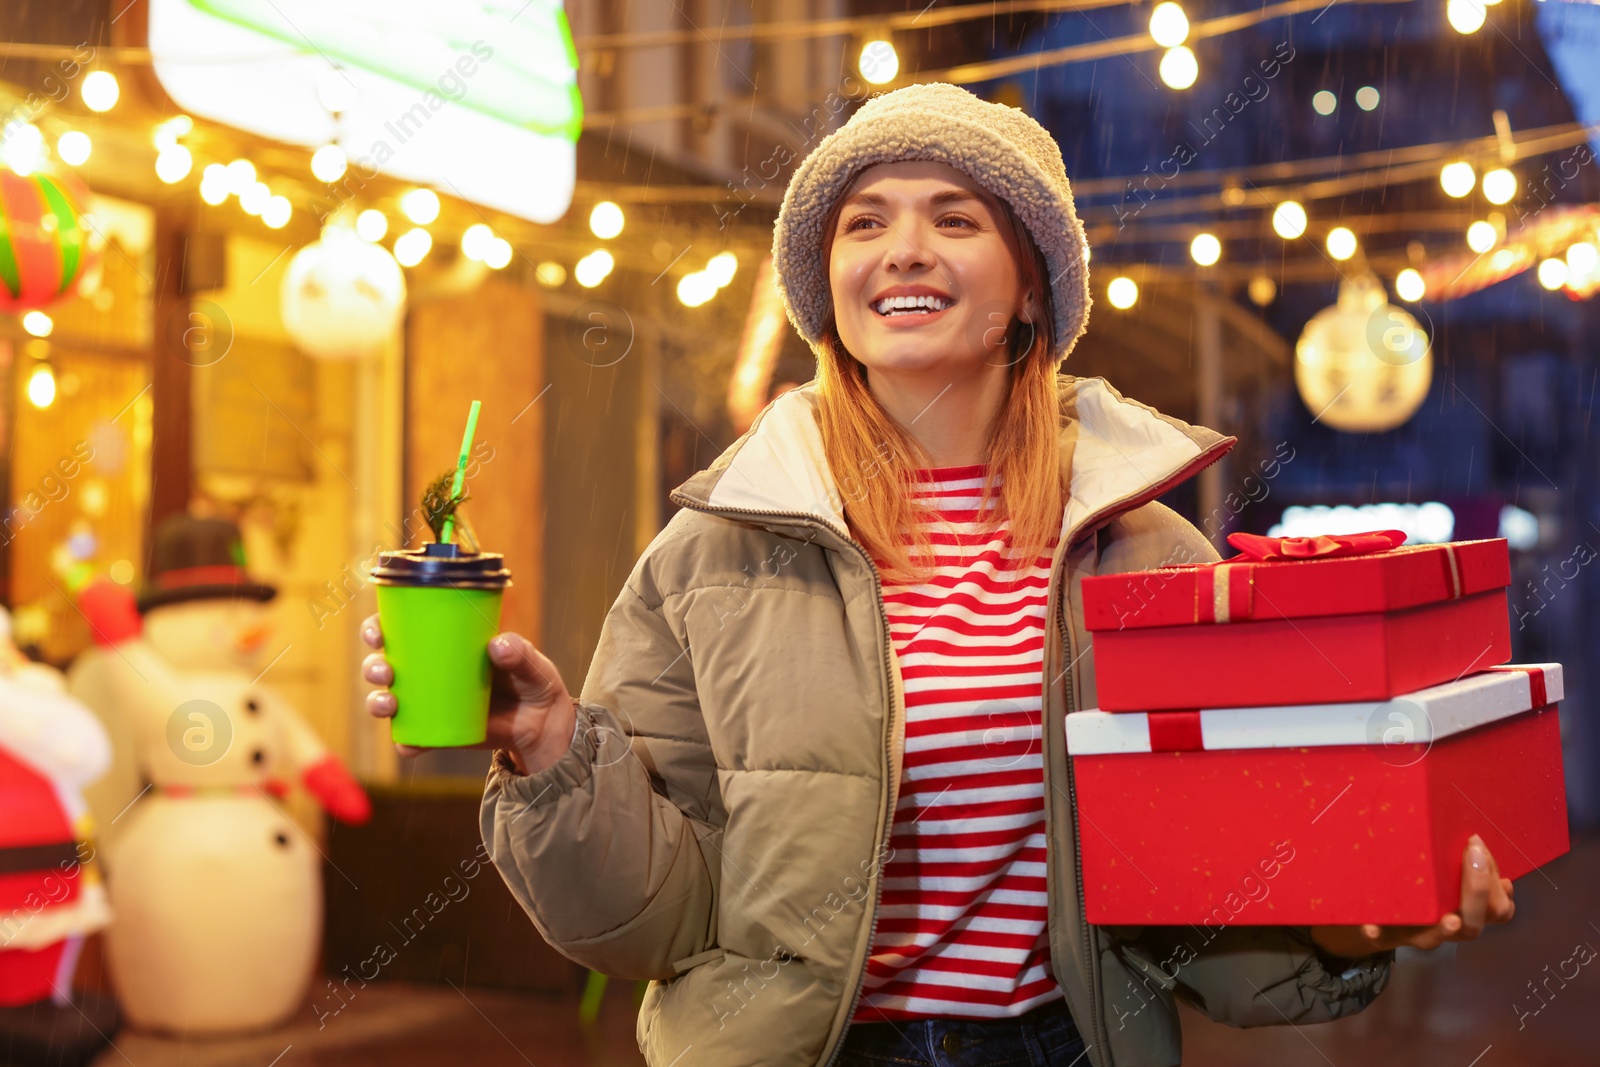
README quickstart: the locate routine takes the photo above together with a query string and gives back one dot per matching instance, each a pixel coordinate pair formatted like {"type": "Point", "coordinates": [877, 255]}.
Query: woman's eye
{"type": "Point", "coordinates": [855, 222]}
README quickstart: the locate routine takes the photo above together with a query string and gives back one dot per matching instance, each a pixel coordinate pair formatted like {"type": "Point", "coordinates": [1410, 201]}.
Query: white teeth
{"type": "Point", "coordinates": [894, 303]}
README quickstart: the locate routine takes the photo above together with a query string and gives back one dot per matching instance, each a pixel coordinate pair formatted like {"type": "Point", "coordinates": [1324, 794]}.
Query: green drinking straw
{"type": "Point", "coordinates": [461, 469]}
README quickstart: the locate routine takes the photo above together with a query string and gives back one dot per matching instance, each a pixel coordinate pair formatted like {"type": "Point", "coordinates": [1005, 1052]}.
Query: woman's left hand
{"type": "Point", "coordinates": [1485, 898]}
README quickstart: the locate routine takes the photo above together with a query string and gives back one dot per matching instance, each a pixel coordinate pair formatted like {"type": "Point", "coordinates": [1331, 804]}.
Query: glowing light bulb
{"type": "Point", "coordinates": [722, 267]}
{"type": "Point", "coordinates": [605, 221]}
{"type": "Point", "coordinates": [1289, 220]}
{"type": "Point", "coordinates": [1409, 286]}
{"type": "Point", "coordinates": [1179, 68]}
{"type": "Point", "coordinates": [167, 133]}
{"type": "Point", "coordinates": [586, 274]}
{"type": "Point", "coordinates": [1205, 249]}
{"type": "Point", "coordinates": [475, 241]}
{"type": "Point", "coordinates": [1341, 242]}
{"type": "Point", "coordinates": [878, 63]}
{"type": "Point", "coordinates": [22, 147]}
{"type": "Point", "coordinates": [100, 90]}
{"type": "Point", "coordinates": [696, 288]}
{"type": "Point", "coordinates": [254, 199]}
{"type": "Point", "coordinates": [1466, 16]}
{"type": "Point", "coordinates": [593, 268]}
{"type": "Point", "coordinates": [277, 212]}
{"type": "Point", "coordinates": [411, 246]}
{"type": "Point", "coordinates": [328, 163]}
{"type": "Point", "coordinates": [241, 176]}
{"type": "Point", "coordinates": [214, 184]}
{"type": "Point", "coordinates": [550, 274]}
{"type": "Point", "coordinates": [1553, 273]}
{"type": "Point", "coordinates": [1366, 98]}
{"type": "Point", "coordinates": [1458, 178]}
{"type": "Point", "coordinates": [421, 206]}
{"type": "Point", "coordinates": [1323, 102]}
{"type": "Point", "coordinates": [1581, 258]}
{"type": "Point", "coordinates": [1169, 26]}
{"type": "Point", "coordinates": [1262, 289]}
{"type": "Point", "coordinates": [371, 225]}
{"type": "Point", "coordinates": [1481, 236]}
{"type": "Point", "coordinates": [42, 386]}
{"type": "Point", "coordinates": [74, 148]}
{"type": "Point", "coordinates": [1499, 186]}
{"type": "Point", "coordinates": [1123, 292]}
{"type": "Point", "coordinates": [38, 323]}
{"type": "Point", "coordinates": [173, 163]}
{"type": "Point", "coordinates": [499, 254]}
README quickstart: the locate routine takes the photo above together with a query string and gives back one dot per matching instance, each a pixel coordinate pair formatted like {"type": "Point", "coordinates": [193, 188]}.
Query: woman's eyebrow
{"type": "Point", "coordinates": [938, 199]}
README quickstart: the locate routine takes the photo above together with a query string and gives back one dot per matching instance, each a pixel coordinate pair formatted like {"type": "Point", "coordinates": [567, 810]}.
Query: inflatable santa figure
{"type": "Point", "coordinates": [217, 891]}
{"type": "Point", "coordinates": [51, 894]}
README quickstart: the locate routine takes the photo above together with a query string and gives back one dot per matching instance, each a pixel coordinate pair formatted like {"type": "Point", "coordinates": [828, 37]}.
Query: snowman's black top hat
{"type": "Point", "coordinates": [199, 559]}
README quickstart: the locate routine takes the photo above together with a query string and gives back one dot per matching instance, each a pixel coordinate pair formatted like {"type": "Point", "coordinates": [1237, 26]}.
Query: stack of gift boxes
{"type": "Point", "coordinates": [1308, 733]}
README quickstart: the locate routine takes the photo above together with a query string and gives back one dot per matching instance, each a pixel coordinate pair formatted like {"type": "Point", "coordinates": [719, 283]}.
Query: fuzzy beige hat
{"type": "Point", "coordinates": [1001, 148]}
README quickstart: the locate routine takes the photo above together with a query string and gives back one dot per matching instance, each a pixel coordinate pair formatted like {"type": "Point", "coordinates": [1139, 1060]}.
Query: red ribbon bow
{"type": "Point", "coordinates": [1257, 547]}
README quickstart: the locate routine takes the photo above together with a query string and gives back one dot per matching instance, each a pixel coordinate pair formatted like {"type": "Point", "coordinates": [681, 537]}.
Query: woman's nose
{"type": "Point", "coordinates": [908, 249]}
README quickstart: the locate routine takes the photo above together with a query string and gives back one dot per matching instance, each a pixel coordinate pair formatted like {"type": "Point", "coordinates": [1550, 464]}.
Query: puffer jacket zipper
{"type": "Point", "coordinates": [887, 814]}
{"type": "Point", "coordinates": [1091, 952]}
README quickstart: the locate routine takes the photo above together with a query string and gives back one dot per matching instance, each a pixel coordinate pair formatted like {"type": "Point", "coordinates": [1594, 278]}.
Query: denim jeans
{"type": "Point", "coordinates": [1043, 1037]}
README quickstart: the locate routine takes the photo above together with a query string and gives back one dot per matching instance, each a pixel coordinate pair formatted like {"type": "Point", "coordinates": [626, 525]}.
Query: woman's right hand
{"type": "Point", "coordinates": [531, 714]}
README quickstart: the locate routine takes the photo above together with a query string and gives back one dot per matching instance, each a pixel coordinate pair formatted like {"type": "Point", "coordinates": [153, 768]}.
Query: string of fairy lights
{"type": "Point", "coordinates": [1179, 69]}
{"type": "Point", "coordinates": [24, 148]}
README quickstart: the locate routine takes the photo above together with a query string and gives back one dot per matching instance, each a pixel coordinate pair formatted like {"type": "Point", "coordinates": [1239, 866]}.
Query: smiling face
{"type": "Point", "coordinates": [924, 272]}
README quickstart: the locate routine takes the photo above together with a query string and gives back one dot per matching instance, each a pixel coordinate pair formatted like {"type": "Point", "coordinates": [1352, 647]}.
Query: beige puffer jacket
{"type": "Point", "coordinates": [721, 822]}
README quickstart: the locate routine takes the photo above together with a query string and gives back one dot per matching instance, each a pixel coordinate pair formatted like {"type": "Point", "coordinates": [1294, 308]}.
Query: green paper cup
{"type": "Point", "coordinates": [439, 607]}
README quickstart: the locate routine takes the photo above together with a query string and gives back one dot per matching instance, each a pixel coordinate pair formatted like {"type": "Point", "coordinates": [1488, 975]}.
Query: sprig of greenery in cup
{"type": "Point", "coordinates": [440, 502]}
{"type": "Point", "coordinates": [444, 495]}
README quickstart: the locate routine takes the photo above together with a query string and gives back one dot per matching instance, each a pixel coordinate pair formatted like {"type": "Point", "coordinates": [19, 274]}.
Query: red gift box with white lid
{"type": "Point", "coordinates": [1299, 621]}
{"type": "Point", "coordinates": [1339, 814]}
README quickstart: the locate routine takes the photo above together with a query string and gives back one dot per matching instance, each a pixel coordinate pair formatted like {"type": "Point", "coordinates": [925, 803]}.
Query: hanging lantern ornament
{"type": "Point", "coordinates": [342, 296]}
{"type": "Point", "coordinates": [1363, 365]}
{"type": "Point", "coordinates": [45, 248]}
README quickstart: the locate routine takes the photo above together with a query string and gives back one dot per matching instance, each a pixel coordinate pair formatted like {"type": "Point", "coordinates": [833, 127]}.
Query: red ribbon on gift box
{"type": "Point", "coordinates": [1256, 547]}
{"type": "Point", "coordinates": [1175, 731]}
{"type": "Point", "coordinates": [1535, 682]}
{"type": "Point", "coordinates": [1225, 590]}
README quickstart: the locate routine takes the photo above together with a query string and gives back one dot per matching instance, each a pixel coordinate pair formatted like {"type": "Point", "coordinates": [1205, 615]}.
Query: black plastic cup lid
{"type": "Point", "coordinates": [445, 566]}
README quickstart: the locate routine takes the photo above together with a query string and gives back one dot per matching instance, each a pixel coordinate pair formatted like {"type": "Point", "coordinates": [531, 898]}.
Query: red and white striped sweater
{"type": "Point", "coordinates": [961, 926]}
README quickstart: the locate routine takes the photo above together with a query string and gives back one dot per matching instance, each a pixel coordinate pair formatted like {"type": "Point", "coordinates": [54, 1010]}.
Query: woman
{"type": "Point", "coordinates": [815, 785]}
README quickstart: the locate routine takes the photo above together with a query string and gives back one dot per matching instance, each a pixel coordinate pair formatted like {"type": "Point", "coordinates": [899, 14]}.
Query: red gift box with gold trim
{"type": "Point", "coordinates": [1333, 814]}
{"type": "Point", "coordinates": [1299, 621]}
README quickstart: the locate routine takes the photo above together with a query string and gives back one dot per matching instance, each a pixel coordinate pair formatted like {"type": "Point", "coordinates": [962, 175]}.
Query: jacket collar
{"type": "Point", "coordinates": [1118, 453]}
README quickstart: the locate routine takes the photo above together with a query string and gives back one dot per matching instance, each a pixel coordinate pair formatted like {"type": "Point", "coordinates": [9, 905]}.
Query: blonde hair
{"type": "Point", "coordinates": [873, 459]}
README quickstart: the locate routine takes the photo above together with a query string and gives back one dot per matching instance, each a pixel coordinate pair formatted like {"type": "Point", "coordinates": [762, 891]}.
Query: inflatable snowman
{"type": "Point", "coordinates": [217, 892]}
{"type": "Point", "coordinates": [51, 894]}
